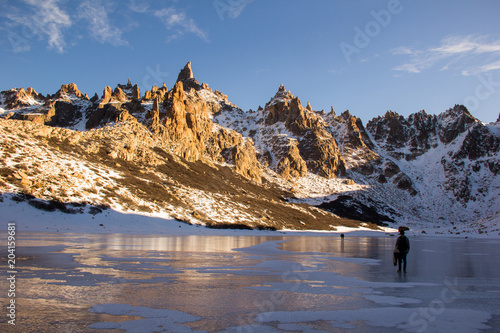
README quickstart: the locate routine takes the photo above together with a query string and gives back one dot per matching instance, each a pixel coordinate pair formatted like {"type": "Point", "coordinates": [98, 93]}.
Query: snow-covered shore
{"type": "Point", "coordinates": [109, 221]}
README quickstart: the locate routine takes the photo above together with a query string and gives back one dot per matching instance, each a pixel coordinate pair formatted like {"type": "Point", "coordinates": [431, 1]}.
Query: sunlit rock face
{"type": "Point", "coordinates": [441, 167]}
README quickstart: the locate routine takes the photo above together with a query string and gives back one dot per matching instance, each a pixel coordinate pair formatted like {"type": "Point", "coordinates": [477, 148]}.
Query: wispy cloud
{"type": "Point", "coordinates": [492, 66]}
{"type": "Point", "coordinates": [49, 21]}
{"type": "Point", "coordinates": [99, 23]}
{"type": "Point", "coordinates": [44, 19]}
{"type": "Point", "coordinates": [179, 23]}
{"type": "Point", "coordinates": [469, 54]}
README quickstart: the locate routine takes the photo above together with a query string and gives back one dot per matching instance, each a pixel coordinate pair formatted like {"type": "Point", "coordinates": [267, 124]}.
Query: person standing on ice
{"type": "Point", "coordinates": [402, 249]}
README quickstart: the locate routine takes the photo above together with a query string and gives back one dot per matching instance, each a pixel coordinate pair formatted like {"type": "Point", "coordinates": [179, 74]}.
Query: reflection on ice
{"type": "Point", "coordinates": [256, 284]}
{"type": "Point", "coordinates": [406, 319]}
{"type": "Point", "coordinates": [153, 320]}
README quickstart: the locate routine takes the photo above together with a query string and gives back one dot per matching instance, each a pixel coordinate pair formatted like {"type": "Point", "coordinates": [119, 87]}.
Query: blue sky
{"type": "Point", "coordinates": [365, 56]}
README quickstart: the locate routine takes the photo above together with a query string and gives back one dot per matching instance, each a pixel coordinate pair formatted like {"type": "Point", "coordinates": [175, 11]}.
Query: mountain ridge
{"type": "Point", "coordinates": [396, 167]}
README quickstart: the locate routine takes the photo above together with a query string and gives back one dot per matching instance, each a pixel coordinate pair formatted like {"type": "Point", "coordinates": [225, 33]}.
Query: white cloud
{"type": "Point", "coordinates": [482, 69]}
{"type": "Point", "coordinates": [179, 23]}
{"type": "Point", "coordinates": [469, 54]}
{"type": "Point", "coordinates": [99, 24]}
{"type": "Point", "coordinates": [402, 50]}
{"type": "Point", "coordinates": [45, 20]}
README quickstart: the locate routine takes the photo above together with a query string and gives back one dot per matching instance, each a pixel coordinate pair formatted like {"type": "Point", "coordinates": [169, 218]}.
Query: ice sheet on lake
{"type": "Point", "coordinates": [153, 320]}
{"type": "Point", "coordinates": [317, 282]}
{"type": "Point", "coordinates": [392, 300]}
{"type": "Point", "coordinates": [407, 319]}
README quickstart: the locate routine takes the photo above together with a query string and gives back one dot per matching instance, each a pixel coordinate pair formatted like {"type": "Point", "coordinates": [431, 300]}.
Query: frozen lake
{"type": "Point", "coordinates": [282, 283]}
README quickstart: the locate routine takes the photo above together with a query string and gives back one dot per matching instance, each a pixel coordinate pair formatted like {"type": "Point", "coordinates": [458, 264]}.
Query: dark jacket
{"type": "Point", "coordinates": [403, 244]}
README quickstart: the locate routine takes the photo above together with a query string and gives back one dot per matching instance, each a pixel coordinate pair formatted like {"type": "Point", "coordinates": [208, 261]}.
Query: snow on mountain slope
{"type": "Point", "coordinates": [59, 169]}
{"type": "Point", "coordinates": [417, 171]}
{"type": "Point", "coordinates": [299, 167]}
{"type": "Point", "coordinates": [450, 190]}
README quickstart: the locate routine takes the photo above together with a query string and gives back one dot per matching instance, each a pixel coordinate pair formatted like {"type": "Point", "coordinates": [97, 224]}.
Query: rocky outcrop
{"type": "Point", "coordinates": [477, 155]}
{"type": "Point", "coordinates": [119, 96]}
{"type": "Point", "coordinates": [16, 98]}
{"type": "Point", "coordinates": [153, 117]}
{"type": "Point", "coordinates": [94, 98]}
{"type": "Point", "coordinates": [136, 94]}
{"type": "Point", "coordinates": [291, 165]}
{"type": "Point", "coordinates": [186, 73]}
{"type": "Point", "coordinates": [480, 142]}
{"type": "Point", "coordinates": [155, 92]}
{"type": "Point", "coordinates": [354, 142]}
{"type": "Point", "coordinates": [391, 131]}
{"type": "Point", "coordinates": [453, 122]}
{"type": "Point", "coordinates": [196, 124]}
{"type": "Point", "coordinates": [365, 209]}
{"type": "Point", "coordinates": [420, 132]}
{"type": "Point", "coordinates": [320, 151]}
{"type": "Point", "coordinates": [68, 90]}
{"type": "Point", "coordinates": [106, 95]}
{"type": "Point", "coordinates": [186, 123]}
{"type": "Point", "coordinates": [105, 114]}
{"type": "Point", "coordinates": [63, 113]}
{"type": "Point", "coordinates": [242, 156]}
{"type": "Point", "coordinates": [187, 78]}
{"type": "Point", "coordinates": [317, 147]}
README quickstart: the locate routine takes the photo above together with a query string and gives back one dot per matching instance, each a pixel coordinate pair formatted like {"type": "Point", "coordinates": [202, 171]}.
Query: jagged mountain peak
{"type": "Point", "coordinates": [309, 107]}
{"type": "Point", "coordinates": [187, 78]}
{"type": "Point", "coordinates": [453, 122]}
{"type": "Point", "coordinates": [186, 73]}
{"type": "Point", "coordinates": [17, 98]}
{"type": "Point", "coordinates": [458, 111]}
{"type": "Point", "coordinates": [420, 117]}
{"type": "Point", "coordinates": [68, 90]}
{"type": "Point", "coordinates": [291, 141]}
{"type": "Point", "coordinates": [281, 95]}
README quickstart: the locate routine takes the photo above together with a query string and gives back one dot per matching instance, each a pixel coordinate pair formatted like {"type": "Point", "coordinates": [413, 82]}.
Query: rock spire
{"type": "Point", "coordinates": [186, 73]}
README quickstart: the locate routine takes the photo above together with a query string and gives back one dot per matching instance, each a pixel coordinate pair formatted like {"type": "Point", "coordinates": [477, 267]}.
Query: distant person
{"type": "Point", "coordinates": [401, 250]}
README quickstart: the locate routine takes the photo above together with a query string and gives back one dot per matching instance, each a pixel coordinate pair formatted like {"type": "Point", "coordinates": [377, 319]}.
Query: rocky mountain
{"type": "Point", "coordinates": [189, 153]}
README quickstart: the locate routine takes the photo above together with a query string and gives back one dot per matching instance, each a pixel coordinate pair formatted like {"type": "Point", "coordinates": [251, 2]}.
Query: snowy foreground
{"type": "Point", "coordinates": [112, 221]}
{"type": "Point", "coordinates": [116, 221]}
{"type": "Point", "coordinates": [113, 272]}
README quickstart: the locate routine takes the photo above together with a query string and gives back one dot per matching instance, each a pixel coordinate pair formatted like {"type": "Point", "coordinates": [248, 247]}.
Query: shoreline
{"type": "Point", "coordinates": [111, 221]}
